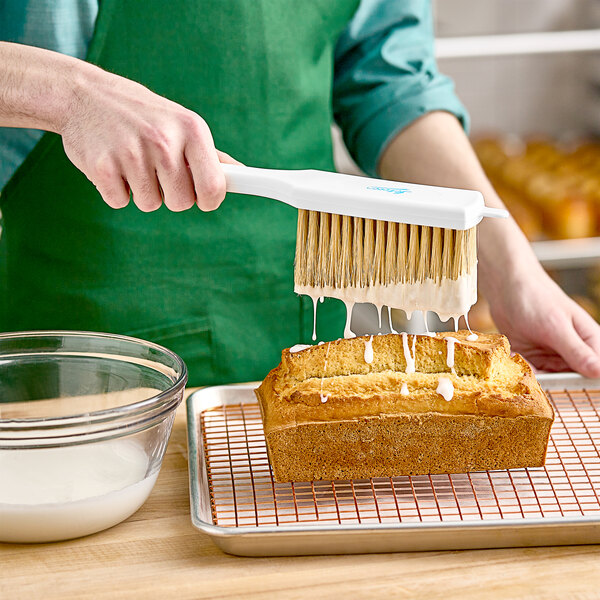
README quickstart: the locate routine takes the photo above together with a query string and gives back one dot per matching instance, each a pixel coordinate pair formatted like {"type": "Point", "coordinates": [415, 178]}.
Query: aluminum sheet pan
{"type": "Point", "coordinates": [235, 501]}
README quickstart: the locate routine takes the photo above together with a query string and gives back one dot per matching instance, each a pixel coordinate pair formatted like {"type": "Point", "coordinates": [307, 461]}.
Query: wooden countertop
{"type": "Point", "coordinates": [157, 553]}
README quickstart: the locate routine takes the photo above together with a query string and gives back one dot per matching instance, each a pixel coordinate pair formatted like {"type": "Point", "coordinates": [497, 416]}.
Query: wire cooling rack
{"type": "Point", "coordinates": [244, 498]}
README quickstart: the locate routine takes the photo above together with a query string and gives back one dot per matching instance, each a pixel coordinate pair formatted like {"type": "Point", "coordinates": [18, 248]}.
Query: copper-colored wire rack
{"type": "Point", "coordinates": [243, 496]}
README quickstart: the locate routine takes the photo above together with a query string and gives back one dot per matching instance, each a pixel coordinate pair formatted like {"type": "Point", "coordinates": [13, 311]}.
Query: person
{"type": "Point", "coordinates": [167, 92]}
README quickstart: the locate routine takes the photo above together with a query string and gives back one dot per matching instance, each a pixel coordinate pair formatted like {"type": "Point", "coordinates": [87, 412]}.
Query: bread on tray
{"type": "Point", "coordinates": [397, 404]}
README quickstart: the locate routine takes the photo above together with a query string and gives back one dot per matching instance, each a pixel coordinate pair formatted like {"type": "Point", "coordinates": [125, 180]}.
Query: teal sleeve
{"type": "Point", "coordinates": [386, 76]}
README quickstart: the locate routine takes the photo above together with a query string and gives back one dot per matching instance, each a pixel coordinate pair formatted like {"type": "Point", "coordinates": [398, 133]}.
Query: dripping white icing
{"type": "Point", "coordinates": [390, 320]}
{"type": "Point", "coordinates": [448, 298]}
{"type": "Point", "coordinates": [472, 337]}
{"type": "Point", "coordinates": [369, 350]}
{"type": "Point", "coordinates": [320, 343]}
{"type": "Point", "coordinates": [451, 341]}
{"type": "Point", "coordinates": [410, 362]}
{"type": "Point", "coordinates": [427, 332]}
{"type": "Point", "coordinates": [321, 299]}
{"type": "Point", "coordinates": [347, 331]}
{"type": "Point", "coordinates": [324, 398]}
{"type": "Point", "coordinates": [445, 388]}
{"type": "Point", "coordinates": [404, 390]}
{"type": "Point", "coordinates": [314, 301]}
{"type": "Point", "coordinates": [299, 348]}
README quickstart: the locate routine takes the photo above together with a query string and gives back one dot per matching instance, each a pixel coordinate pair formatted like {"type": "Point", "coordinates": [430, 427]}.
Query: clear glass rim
{"type": "Point", "coordinates": [158, 403]}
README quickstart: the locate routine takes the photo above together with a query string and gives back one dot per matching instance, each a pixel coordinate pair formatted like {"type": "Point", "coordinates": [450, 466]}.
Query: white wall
{"type": "Point", "coordinates": [550, 94]}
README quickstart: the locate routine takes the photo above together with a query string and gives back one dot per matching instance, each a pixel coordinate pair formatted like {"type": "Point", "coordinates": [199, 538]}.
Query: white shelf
{"type": "Point", "coordinates": [568, 254]}
{"type": "Point", "coordinates": [518, 44]}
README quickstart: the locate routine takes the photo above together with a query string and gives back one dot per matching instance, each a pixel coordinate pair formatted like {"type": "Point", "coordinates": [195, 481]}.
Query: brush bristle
{"type": "Point", "coordinates": [338, 252]}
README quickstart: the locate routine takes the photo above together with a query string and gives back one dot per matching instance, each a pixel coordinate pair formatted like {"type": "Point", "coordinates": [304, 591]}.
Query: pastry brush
{"type": "Point", "coordinates": [359, 239]}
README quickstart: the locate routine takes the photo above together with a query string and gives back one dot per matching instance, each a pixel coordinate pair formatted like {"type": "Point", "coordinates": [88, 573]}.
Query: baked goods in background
{"type": "Point", "coordinates": [397, 404]}
{"type": "Point", "coordinates": [552, 189]}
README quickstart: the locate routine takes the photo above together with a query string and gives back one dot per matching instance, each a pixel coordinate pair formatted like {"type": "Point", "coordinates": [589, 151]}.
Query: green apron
{"type": "Point", "coordinates": [217, 288]}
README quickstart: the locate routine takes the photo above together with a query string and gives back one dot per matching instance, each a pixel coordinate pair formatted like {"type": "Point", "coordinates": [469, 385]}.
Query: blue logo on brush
{"type": "Point", "coordinates": [389, 189]}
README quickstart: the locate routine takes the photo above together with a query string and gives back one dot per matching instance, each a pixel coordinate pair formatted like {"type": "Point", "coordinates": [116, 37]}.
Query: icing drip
{"type": "Point", "coordinates": [455, 291]}
{"type": "Point", "coordinates": [299, 348]}
{"type": "Point", "coordinates": [427, 332]}
{"type": "Point", "coordinates": [347, 331]}
{"type": "Point", "coordinates": [390, 320]}
{"type": "Point", "coordinates": [369, 351]}
{"type": "Point", "coordinates": [448, 298]}
{"type": "Point", "coordinates": [404, 390]}
{"type": "Point", "coordinates": [314, 301]}
{"type": "Point", "coordinates": [450, 351]}
{"type": "Point", "coordinates": [445, 388]}
{"type": "Point", "coordinates": [472, 337]}
{"type": "Point", "coordinates": [410, 361]}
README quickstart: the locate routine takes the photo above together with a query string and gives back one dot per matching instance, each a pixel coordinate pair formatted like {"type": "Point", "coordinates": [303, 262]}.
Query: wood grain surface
{"type": "Point", "coordinates": [157, 553]}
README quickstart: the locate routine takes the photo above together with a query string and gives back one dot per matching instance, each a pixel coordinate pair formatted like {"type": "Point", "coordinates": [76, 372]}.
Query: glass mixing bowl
{"type": "Point", "coordinates": [84, 423]}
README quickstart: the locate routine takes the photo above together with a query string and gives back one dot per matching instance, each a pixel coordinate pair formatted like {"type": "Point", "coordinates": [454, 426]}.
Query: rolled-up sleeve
{"type": "Point", "coordinates": [386, 76]}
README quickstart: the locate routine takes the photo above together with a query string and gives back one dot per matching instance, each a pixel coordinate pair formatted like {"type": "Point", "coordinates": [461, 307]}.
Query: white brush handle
{"type": "Point", "coordinates": [363, 197]}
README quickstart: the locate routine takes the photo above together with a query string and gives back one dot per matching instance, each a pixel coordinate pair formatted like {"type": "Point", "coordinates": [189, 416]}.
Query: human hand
{"type": "Point", "coordinates": [544, 325]}
{"type": "Point", "coordinates": [124, 137]}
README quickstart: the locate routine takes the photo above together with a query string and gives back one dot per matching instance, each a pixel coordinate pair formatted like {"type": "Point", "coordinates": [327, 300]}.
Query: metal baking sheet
{"type": "Point", "coordinates": [236, 502]}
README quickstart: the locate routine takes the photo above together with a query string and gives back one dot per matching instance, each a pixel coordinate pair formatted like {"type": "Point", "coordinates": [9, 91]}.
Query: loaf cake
{"type": "Point", "coordinates": [398, 404]}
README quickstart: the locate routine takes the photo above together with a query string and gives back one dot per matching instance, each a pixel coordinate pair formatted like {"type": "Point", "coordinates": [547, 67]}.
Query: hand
{"type": "Point", "coordinates": [544, 325]}
{"type": "Point", "coordinates": [124, 137]}
{"type": "Point", "coordinates": [121, 135]}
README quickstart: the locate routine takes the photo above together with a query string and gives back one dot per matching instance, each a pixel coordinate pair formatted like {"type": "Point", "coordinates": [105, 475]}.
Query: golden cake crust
{"type": "Point", "coordinates": [328, 395]}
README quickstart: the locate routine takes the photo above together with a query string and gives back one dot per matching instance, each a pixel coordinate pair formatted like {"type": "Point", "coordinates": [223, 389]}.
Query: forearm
{"type": "Point", "coordinates": [36, 86]}
{"type": "Point", "coordinates": [126, 139]}
{"type": "Point", "coordinates": [434, 150]}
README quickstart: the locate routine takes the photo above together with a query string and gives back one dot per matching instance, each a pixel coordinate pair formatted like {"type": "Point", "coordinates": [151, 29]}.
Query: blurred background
{"type": "Point", "coordinates": [528, 71]}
